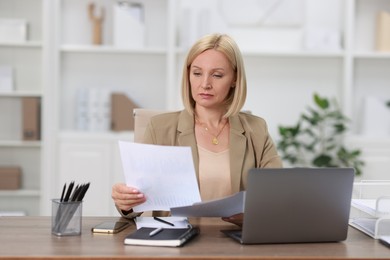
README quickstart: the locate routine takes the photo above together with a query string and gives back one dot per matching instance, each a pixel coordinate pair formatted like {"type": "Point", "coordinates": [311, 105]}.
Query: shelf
{"type": "Point", "coordinates": [21, 94]}
{"type": "Point", "coordinates": [286, 54]}
{"type": "Point", "coordinates": [372, 55]}
{"type": "Point", "coordinates": [111, 50]}
{"type": "Point", "coordinates": [125, 135]}
{"type": "Point", "coordinates": [20, 143]}
{"type": "Point", "coordinates": [31, 44]}
{"type": "Point", "coordinates": [20, 193]}
{"type": "Point", "coordinates": [296, 54]}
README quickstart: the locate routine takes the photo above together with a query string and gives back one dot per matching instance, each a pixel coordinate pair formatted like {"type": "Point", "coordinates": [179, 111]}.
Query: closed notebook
{"type": "Point", "coordinates": [173, 237]}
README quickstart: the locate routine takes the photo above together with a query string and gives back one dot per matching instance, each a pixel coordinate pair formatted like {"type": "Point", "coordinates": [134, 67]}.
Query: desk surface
{"type": "Point", "coordinates": [31, 237]}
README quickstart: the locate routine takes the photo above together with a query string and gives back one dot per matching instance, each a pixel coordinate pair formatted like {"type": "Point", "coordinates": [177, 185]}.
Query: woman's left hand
{"type": "Point", "coordinates": [235, 219]}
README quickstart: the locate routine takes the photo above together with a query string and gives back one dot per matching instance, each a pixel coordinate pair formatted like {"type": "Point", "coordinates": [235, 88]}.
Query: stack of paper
{"type": "Point", "coordinates": [177, 222]}
{"type": "Point", "coordinates": [166, 175]}
{"type": "Point", "coordinates": [377, 223]}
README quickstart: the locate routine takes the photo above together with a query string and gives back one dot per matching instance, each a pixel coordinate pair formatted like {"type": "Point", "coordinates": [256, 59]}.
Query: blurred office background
{"type": "Point", "coordinates": [71, 70]}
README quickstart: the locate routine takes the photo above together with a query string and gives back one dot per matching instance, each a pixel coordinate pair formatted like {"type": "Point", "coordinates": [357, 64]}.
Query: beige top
{"type": "Point", "coordinates": [214, 174]}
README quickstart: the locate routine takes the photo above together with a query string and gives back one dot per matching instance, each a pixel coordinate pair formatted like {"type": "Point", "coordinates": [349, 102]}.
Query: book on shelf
{"type": "Point", "coordinates": [168, 237]}
{"type": "Point", "coordinates": [383, 32]}
{"type": "Point", "coordinates": [31, 110]}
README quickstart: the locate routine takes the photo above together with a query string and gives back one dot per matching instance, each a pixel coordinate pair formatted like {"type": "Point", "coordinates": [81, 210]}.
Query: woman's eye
{"type": "Point", "coordinates": [196, 74]}
{"type": "Point", "coordinates": [218, 76]}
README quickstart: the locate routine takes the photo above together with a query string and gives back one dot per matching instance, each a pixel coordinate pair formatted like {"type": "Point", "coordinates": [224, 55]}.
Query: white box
{"type": "Point", "coordinates": [321, 39]}
{"type": "Point", "coordinates": [129, 26]}
{"type": "Point", "coordinates": [13, 30]}
{"type": "Point", "coordinates": [6, 79]}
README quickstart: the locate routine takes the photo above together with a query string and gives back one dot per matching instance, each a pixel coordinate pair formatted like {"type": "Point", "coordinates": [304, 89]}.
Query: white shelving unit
{"type": "Point", "coordinates": [25, 59]}
{"type": "Point", "coordinates": [281, 80]}
{"type": "Point", "coordinates": [143, 73]}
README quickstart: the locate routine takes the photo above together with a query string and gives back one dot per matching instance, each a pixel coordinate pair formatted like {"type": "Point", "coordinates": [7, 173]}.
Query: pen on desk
{"type": "Point", "coordinates": [163, 221]}
{"type": "Point", "coordinates": [155, 231]}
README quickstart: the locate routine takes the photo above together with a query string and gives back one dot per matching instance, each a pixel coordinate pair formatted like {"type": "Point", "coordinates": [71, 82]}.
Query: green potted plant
{"type": "Point", "coordinates": [317, 139]}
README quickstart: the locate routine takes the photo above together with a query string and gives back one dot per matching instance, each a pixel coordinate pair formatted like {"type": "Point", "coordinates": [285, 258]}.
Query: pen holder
{"type": "Point", "coordinates": [66, 218]}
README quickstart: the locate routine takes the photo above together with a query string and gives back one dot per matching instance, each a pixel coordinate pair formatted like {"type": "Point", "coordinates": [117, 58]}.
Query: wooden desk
{"type": "Point", "coordinates": [24, 237]}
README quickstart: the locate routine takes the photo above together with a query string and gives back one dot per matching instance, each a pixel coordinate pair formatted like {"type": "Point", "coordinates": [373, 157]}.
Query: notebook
{"type": "Point", "coordinates": [296, 205]}
{"type": "Point", "coordinates": [168, 237]}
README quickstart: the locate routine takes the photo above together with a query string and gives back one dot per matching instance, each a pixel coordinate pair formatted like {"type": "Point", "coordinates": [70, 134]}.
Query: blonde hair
{"type": "Point", "coordinates": [225, 44]}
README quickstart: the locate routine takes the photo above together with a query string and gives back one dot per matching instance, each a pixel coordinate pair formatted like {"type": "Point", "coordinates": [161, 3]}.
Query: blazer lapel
{"type": "Point", "coordinates": [237, 154]}
{"type": "Point", "coordinates": [186, 137]}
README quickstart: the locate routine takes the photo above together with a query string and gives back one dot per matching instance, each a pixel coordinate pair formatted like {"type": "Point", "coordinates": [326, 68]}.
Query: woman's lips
{"type": "Point", "coordinates": [205, 95]}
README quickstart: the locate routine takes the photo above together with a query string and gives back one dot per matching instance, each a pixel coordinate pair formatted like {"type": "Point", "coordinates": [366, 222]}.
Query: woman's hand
{"type": "Point", "coordinates": [235, 219]}
{"type": "Point", "coordinates": [125, 198]}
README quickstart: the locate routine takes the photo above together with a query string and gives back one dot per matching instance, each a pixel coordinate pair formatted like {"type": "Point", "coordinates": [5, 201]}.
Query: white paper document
{"type": "Point", "coordinates": [165, 174]}
{"type": "Point", "coordinates": [225, 207]}
{"type": "Point", "coordinates": [375, 207]}
{"type": "Point", "coordinates": [178, 222]}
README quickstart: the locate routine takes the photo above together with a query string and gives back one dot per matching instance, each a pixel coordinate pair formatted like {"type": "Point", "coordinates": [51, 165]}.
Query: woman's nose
{"type": "Point", "coordinates": [206, 84]}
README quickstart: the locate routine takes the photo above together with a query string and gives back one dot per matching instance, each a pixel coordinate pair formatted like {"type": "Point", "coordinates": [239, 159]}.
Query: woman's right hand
{"type": "Point", "coordinates": [125, 198]}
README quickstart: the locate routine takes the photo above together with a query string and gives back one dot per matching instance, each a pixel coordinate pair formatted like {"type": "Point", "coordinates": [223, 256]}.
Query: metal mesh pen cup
{"type": "Point", "coordinates": [66, 218]}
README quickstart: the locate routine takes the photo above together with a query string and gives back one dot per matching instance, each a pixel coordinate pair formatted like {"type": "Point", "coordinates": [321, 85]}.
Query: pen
{"type": "Point", "coordinates": [63, 193]}
{"type": "Point", "coordinates": [163, 221]}
{"type": "Point", "coordinates": [70, 188]}
{"type": "Point", "coordinates": [155, 231]}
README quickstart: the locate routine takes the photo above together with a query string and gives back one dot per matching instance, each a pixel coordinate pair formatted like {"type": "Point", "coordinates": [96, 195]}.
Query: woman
{"type": "Point", "coordinates": [225, 142]}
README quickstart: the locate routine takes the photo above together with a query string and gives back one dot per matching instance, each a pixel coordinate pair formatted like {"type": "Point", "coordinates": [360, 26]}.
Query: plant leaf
{"type": "Point", "coordinates": [323, 160]}
{"type": "Point", "coordinates": [323, 103]}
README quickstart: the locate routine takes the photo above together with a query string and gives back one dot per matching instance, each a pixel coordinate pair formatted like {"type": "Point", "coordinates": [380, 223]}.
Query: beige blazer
{"type": "Point", "coordinates": [250, 143]}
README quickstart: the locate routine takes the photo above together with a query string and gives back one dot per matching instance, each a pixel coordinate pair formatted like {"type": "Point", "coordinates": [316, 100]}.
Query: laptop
{"type": "Point", "coordinates": [296, 205]}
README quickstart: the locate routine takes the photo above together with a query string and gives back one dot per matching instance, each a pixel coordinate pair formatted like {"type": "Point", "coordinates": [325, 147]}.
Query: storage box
{"type": "Point", "coordinates": [10, 178]}
{"type": "Point", "coordinates": [13, 30]}
{"type": "Point", "coordinates": [129, 26]}
{"type": "Point", "coordinates": [31, 118]}
{"type": "Point", "coordinates": [122, 112]}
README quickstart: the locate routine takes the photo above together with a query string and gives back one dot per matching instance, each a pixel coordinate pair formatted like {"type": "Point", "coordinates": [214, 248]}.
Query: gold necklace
{"type": "Point", "coordinates": [214, 140]}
